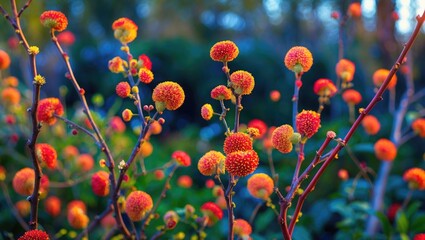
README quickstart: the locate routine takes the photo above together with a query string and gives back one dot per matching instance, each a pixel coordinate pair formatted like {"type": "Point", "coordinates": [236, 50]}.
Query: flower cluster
{"type": "Point", "coordinates": [137, 204]}
{"type": "Point", "coordinates": [54, 20]}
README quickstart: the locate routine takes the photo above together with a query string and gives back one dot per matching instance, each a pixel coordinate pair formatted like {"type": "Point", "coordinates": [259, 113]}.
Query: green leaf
{"type": "Point", "coordinates": [404, 236]}
{"type": "Point", "coordinates": [418, 223]}
{"type": "Point", "coordinates": [402, 222]}
{"type": "Point", "coordinates": [412, 209]}
{"type": "Point", "coordinates": [386, 225]}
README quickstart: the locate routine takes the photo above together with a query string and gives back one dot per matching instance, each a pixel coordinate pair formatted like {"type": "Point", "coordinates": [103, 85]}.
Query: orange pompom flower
{"type": "Point", "coordinates": [10, 81]}
{"type": "Point", "coordinates": [145, 62]}
{"type": "Point", "coordinates": [123, 89]}
{"type": "Point", "coordinates": [212, 212]}
{"type": "Point", "coordinates": [260, 185]}
{"type": "Point", "coordinates": [415, 177]}
{"type": "Point", "coordinates": [419, 236]}
{"type": "Point", "coordinates": [379, 77]}
{"type": "Point", "coordinates": [46, 154]}
{"type": "Point", "coordinates": [345, 70]}
{"type": "Point", "coordinates": [354, 10]}
{"type": "Point", "coordinates": [184, 181]}
{"type": "Point", "coordinates": [343, 174]}
{"type": "Point", "coordinates": [242, 82]}
{"type": "Point", "coordinates": [66, 38]}
{"type": "Point", "coordinates": [281, 138]}
{"type": "Point", "coordinates": [70, 151]}
{"type": "Point", "coordinates": [55, 20]}
{"type": "Point", "coordinates": [275, 95]}
{"type": "Point", "coordinates": [146, 149]}
{"type": "Point", "coordinates": [181, 158]}
{"type": "Point", "coordinates": [23, 181]}
{"type": "Point", "coordinates": [211, 163]}
{"type": "Point", "coordinates": [385, 150]}
{"type": "Point", "coordinates": [241, 163]}
{"type": "Point", "coordinates": [324, 88]}
{"type": "Point", "coordinates": [298, 59]}
{"type": "Point", "coordinates": [418, 127]}
{"type": "Point", "coordinates": [237, 142]}
{"type": "Point", "coordinates": [145, 75]}
{"type": "Point", "coordinates": [116, 124]}
{"type": "Point", "coordinates": [224, 51]}
{"type": "Point", "coordinates": [221, 92]}
{"type": "Point", "coordinates": [171, 218]}
{"type": "Point", "coordinates": [168, 95]}
{"type": "Point", "coordinates": [155, 128]}
{"type": "Point", "coordinates": [137, 204]}
{"type": "Point", "coordinates": [117, 65]}
{"type": "Point", "coordinates": [77, 217]}
{"type": "Point", "coordinates": [351, 97]}
{"type": "Point", "coordinates": [242, 228]}
{"type": "Point", "coordinates": [10, 96]}
{"type": "Point", "coordinates": [52, 205]}
{"type": "Point", "coordinates": [23, 207]}
{"type": "Point", "coordinates": [34, 235]}
{"type": "Point", "coordinates": [100, 183]}
{"type": "Point", "coordinates": [47, 108]}
{"type": "Point", "coordinates": [127, 115]}
{"type": "Point", "coordinates": [4, 60]}
{"type": "Point", "coordinates": [125, 30]}
{"type": "Point", "coordinates": [260, 125]}
{"type": "Point", "coordinates": [308, 123]}
{"type": "Point", "coordinates": [207, 111]}
{"type": "Point", "coordinates": [371, 124]}
{"type": "Point", "coordinates": [85, 162]}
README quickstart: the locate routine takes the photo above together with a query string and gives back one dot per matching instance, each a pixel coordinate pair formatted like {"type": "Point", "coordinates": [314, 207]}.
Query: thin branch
{"type": "Point", "coordinates": [24, 7]}
{"type": "Point", "coordinates": [18, 217]}
{"type": "Point", "coordinates": [75, 125]}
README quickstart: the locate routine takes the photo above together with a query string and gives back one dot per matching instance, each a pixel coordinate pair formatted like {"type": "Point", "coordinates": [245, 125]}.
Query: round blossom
{"type": "Point", "coordinates": [125, 30]}
{"type": "Point", "coordinates": [171, 218]}
{"type": "Point", "coordinates": [242, 228]}
{"type": "Point", "coordinates": [76, 203]}
{"type": "Point", "coordinates": [4, 60]}
{"type": "Point", "coordinates": [275, 95]}
{"type": "Point", "coordinates": [260, 125]}
{"type": "Point", "coordinates": [352, 97]}
{"type": "Point", "coordinates": [52, 205]}
{"type": "Point", "coordinates": [66, 38]}
{"type": "Point", "coordinates": [371, 124]}
{"type": "Point", "coordinates": [85, 162]}
{"type": "Point", "coordinates": [46, 154]}
{"type": "Point", "coordinates": [345, 70]}
{"type": "Point", "coordinates": [343, 174]}
{"type": "Point", "coordinates": [241, 163]}
{"type": "Point", "coordinates": [145, 62]}
{"type": "Point", "coordinates": [207, 111]}
{"type": "Point", "coordinates": [116, 124]}
{"type": "Point", "coordinates": [379, 77]}
{"type": "Point", "coordinates": [260, 185]}
{"type": "Point", "coordinates": [123, 89]}
{"type": "Point", "coordinates": [34, 235]}
{"type": "Point", "coordinates": [418, 127]}
{"type": "Point", "coordinates": [47, 108]}
{"type": "Point", "coordinates": [23, 181]}
{"type": "Point", "coordinates": [23, 207]}
{"type": "Point", "coordinates": [237, 142]}
{"type": "Point", "coordinates": [212, 212]}
{"type": "Point", "coordinates": [137, 204]}
{"type": "Point", "coordinates": [281, 138]}
{"type": "Point", "coordinates": [354, 10]}
{"type": "Point", "coordinates": [168, 95]}
{"type": "Point", "coordinates": [127, 114]}
{"type": "Point", "coordinates": [155, 128]}
{"type": "Point", "coordinates": [146, 149]}
{"type": "Point", "coordinates": [324, 87]}
{"type": "Point", "coordinates": [117, 65]}
{"type": "Point", "coordinates": [221, 92]}
{"type": "Point", "coordinates": [10, 95]}
{"type": "Point", "coordinates": [55, 20]}
{"type": "Point", "coordinates": [184, 181]}
{"type": "Point", "coordinates": [298, 59]}
{"type": "Point", "coordinates": [10, 81]}
{"type": "Point", "coordinates": [385, 150]}
{"type": "Point", "coordinates": [145, 75]}
{"type": "Point", "coordinates": [211, 163]}
{"type": "Point", "coordinates": [242, 82]}
{"type": "Point", "coordinates": [224, 51]}
{"type": "Point", "coordinates": [100, 183]}
{"type": "Point", "coordinates": [308, 123]}
{"type": "Point", "coordinates": [415, 177]}
{"type": "Point", "coordinates": [181, 157]}
{"type": "Point", "coordinates": [77, 217]}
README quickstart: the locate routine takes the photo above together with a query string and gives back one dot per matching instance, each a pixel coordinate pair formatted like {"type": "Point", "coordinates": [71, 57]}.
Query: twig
{"type": "Point", "coordinates": [75, 125]}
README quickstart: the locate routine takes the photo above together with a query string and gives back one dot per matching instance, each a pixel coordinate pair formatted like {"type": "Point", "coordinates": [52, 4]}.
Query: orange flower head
{"type": "Point", "coordinates": [52, 205]}
{"type": "Point", "coordinates": [77, 218]}
{"type": "Point", "coordinates": [145, 62]}
{"type": "Point", "coordinates": [371, 124]}
{"type": "Point", "coordinates": [23, 181]}
{"type": "Point", "coordinates": [212, 212]}
{"type": "Point", "coordinates": [211, 163]}
{"type": "Point", "coordinates": [54, 20]}
{"type": "Point", "coordinates": [207, 111]}
{"type": "Point", "coordinates": [23, 207]}
{"type": "Point", "coordinates": [123, 89]}
{"type": "Point", "coordinates": [10, 96]}
{"type": "Point", "coordinates": [137, 204]}
{"type": "Point", "coordinates": [85, 162]}
{"type": "Point", "coordinates": [100, 183]}
{"type": "Point", "coordinates": [70, 151]}
{"type": "Point", "coordinates": [184, 181]}
{"type": "Point", "coordinates": [117, 65]}
{"type": "Point", "coordinates": [47, 108]}
{"type": "Point", "coordinates": [66, 38]}
{"type": "Point", "coordinates": [2, 173]}
{"type": "Point", "coordinates": [224, 51]}
{"type": "Point", "coordinates": [241, 163]}
{"type": "Point", "coordinates": [44, 186]}
{"type": "Point", "coordinates": [145, 75]}
{"type": "Point", "coordinates": [242, 228]}
{"type": "Point", "coordinates": [379, 77]}
{"type": "Point", "coordinates": [4, 60]}
{"type": "Point", "coordinates": [324, 87]}
{"type": "Point", "coordinates": [155, 128]}
{"type": "Point", "coordinates": [354, 10]}
{"type": "Point", "coordinates": [116, 124]}
{"type": "Point", "coordinates": [352, 96]}
{"type": "Point", "coordinates": [415, 177]}
{"type": "Point", "coordinates": [11, 81]}
{"type": "Point", "coordinates": [34, 235]}
{"type": "Point", "coordinates": [46, 154]}
{"type": "Point", "coordinates": [385, 150]}
{"type": "Point", "coordinates": [298, 59]}
{"type": "Point", "coordinates": [419, 236]}
{"type": "Point", "coordinates": [76, 203]}
{"type": "Point", "coordinates": [418, 127]}
{"type": "Point", "coordinates": [345, 70]}
{"type": "Point", "coordinates": [281, 138]}
{"type": "Point", "coordinates": [127, 115]}
{"type": "Point", "coordinates": [171, 218]}
{"type": "Point", "coordinates": [146, 149]}
{"type": "Point", "coordinates": [168, 95]}
{"type": "Point", "coordinates": [343, 174]}
{"type": "Point", "coordinates": [260, 185]}
{"type": "Point", "coordinates": [260, 125]}
{"type": "Point", "coordinates": [221, 92]}
{"type": "Point", "coordinates": [181, 158]}
{"type": "Point", "coordinates": [308, 123]}
{"type": "Point", "coordinates": [125, 30]}
{"type": "Point", "coordinates": [275, 95]}
{"type": "Point", "coordinates": [237, 142]}
{"type": "Point", "coordinates": [242, 82]}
